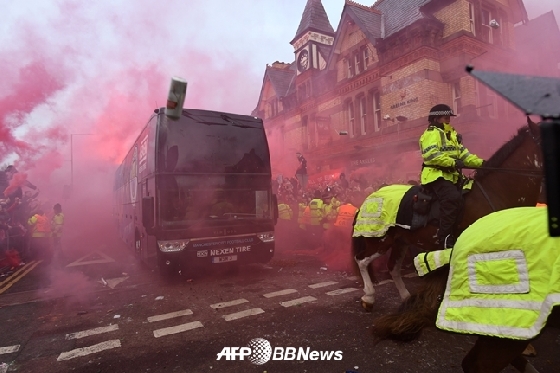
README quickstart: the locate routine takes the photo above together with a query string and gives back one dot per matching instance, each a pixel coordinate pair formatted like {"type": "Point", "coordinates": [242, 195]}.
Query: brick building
{"type": "Point", "coordinates": [376, 78]}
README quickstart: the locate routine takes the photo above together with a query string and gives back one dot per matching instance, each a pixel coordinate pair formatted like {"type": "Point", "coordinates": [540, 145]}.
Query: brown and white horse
{"type": "Point", "coordinates": [511, 177]}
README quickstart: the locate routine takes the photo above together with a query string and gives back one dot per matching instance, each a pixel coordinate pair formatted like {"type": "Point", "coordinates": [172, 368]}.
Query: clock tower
{"type": "Point", "coordinates": [314, 38]}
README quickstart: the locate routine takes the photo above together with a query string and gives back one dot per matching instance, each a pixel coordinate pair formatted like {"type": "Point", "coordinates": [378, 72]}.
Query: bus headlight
{"type": "Point", "coordinates": [266, 236]}
{"type": "Point", "coordinates": [172, 246]}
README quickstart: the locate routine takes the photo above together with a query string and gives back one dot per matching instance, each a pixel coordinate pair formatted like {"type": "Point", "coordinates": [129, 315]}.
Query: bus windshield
{"type": "Point", "coordinates": [187, 199]}
{"type": "Point", "coordinates": [210, 142]}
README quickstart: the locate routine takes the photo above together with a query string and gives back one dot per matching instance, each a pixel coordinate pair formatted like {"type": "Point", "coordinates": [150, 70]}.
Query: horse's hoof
{"type": "Point", "coordinates": [367, 306]}
{"type": "Point", "coordinates": [530, 351]}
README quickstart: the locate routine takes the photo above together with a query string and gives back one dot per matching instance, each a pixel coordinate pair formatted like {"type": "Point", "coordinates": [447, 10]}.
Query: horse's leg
{"type": "Point", "coordinates": [395, 263]}
{"type": "Point", "coordinates": [363, 264]}
{"type": "Point", "coordinates": [492, 354]}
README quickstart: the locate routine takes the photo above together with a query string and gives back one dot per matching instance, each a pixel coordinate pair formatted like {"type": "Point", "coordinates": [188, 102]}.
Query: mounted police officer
{"type": "Point", "coordinates": [444, 156]}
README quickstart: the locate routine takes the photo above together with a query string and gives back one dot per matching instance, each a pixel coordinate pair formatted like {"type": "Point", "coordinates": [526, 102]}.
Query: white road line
{"type": "Point", "coordinates": [341, 291]}
{"type": "Point", "coordinates": [228, 304]}
{"type": "Point", "coordinates": [89, 350]}
{"type": "Point", "coordinates": [281, 292]}
{"type": "Point", "coordinates": [322, 284]}
{"type": "Point", "coordinates": [171, 315]}
{"type": "Point", "coordinates": [384, 282]}
{"type": "Point", "coordinates": [295, 302]}
{"type": "Point", "coordinates": [177, 329]}
{"type": "Point", "coordinates": [94, 331]}
{"type": "Point", "coordinates": [238, 315]}
{"type": "Point", "coordinates": [9, 349]}
{"type": "Point", "coordinates": [353, 278]}
{"type": "Point", "coordinates": [412, 274]}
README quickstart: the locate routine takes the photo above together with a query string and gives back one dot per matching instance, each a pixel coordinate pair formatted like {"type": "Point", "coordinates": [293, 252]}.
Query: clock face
{"type": "Point", "coordinates": [303, 60]}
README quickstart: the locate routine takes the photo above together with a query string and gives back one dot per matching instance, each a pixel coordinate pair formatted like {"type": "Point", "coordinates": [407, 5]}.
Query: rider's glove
{"type": "Point", "coordinates": [459, 164]}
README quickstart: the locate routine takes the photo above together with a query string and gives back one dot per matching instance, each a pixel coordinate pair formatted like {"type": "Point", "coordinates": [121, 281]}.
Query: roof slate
{"type": "Point", "coordinates": [282, 79]}
{"type": "Point", "coordinates": [314, 17]}
{"type": "Point", "coordinates": [369, 21]}
{"type": "Point", "coordinates": [400, 13]}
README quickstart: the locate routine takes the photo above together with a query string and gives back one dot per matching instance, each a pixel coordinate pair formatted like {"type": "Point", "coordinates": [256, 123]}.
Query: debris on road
{"type": "Point", "coordinates": [103, 281]}
{"type": "Point", "coordinates": [160, 297]}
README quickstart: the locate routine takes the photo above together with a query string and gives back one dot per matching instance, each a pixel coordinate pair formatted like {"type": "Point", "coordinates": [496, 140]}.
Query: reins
{"type": "Point", "coordinates": [517, 171]}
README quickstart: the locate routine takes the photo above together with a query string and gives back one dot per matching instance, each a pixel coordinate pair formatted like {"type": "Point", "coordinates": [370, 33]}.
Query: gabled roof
{"type": "Point", "coordinates": [314, 18]}
{"type": "Point", "coordinates": [282, 77]}
{"type": "Point", "coordinates": [399, 14]}
{"type": "Point", "coordinates": [534, 31]}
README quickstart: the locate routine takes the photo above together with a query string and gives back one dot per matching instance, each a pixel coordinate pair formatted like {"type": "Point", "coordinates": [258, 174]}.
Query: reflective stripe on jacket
{"type": "Point", "coordinates": [440, 148]}
{"type": "Point", "coordinates": [41, 226]}
{"type": "Point", "coordinates": [316, 211]}
{"type": "Point", "coordinates": [431, 260]}
{"type": "Point", "coordinates": [504, 276]}
{"type": "Point", "coordinates": [379, 211]}
{"type": "Point", "coordinates": [284, 212]}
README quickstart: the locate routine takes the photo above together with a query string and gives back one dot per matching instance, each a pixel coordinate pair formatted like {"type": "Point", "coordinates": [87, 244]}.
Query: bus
{"type": "Point", "coordinates": [197, 192]}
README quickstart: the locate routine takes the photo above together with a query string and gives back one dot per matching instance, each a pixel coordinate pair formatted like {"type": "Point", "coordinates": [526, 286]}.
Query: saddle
{"type": "Point", "coordinates": [419, 207]}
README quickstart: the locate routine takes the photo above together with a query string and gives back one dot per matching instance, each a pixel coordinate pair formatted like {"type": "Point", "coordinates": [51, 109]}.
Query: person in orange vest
{"type": "Point", "coordinates": [40, 235]}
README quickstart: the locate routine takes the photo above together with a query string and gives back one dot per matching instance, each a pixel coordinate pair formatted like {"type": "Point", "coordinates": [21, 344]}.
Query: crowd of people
{"type": "Point", "coordinates": [27, 231]}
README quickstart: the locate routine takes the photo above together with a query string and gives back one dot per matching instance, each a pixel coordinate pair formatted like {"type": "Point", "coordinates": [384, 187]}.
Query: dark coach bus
{"type": "Point", "coordinates": [196, 192]}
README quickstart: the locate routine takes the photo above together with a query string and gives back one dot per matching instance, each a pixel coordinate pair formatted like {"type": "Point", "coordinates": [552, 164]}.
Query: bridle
{"type": "Point", "coordinates": [517, 171]}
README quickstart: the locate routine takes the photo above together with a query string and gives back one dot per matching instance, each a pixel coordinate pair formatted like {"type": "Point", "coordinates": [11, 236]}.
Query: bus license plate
{"type": "Point", "coordinates": [223, 259]}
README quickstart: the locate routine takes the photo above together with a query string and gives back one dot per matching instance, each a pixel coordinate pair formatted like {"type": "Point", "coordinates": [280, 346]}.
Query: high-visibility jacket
{"type": "Point", "coordinates": [41, 226]}
{"type": "Point", "coordinates": [316, 211]}
{"type": "Point", "coordinates": [379, 211]}
{"type": "Point", "coordinates": [303, 215]}
{"type": "Point", "coordinates": [284, 212]}
{"type": "Point", "coordinates": [345, 216]}
{"type": "Point", "coordinates": [329, 212]}
{"type": "Point", "coordinates": [440, 148]}
{"type": "Point", "coordinates": [431, 260]}
{"type": "Point", "coordinates": [504, 276]}
{"type": "Point", "coordinates": [57, 224]}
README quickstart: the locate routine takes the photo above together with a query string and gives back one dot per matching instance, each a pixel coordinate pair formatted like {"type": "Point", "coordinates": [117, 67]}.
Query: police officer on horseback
{"type": "Point", "coordinates": [444, 156]}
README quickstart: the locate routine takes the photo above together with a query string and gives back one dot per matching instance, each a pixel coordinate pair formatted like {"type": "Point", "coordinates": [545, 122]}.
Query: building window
{"type": "Point", "coordinates": [486, 29]}
{"type": "Point", "coordinates": [456, 93]}
{"type": "Point", "coordinates": [350, 68]}
{"type": "Point", "coordinates": [376, 103]}
{"type": "Point", "coordinates": [358, 63]}
{"type": "Point", "coordinates": [273, 108]}
{"type": "Point", "coordinates": [486, 101]}
{"type": "Point", "coordinates": [472, 19]}
{"type": "Point", "coordinates": [363, 115]}
{"type": "Point", "coordinates": [365, 57]}
{"type": "Point", "coordinates": [304, 133]}
{"type": "Point", "coordinates": [350, 118]}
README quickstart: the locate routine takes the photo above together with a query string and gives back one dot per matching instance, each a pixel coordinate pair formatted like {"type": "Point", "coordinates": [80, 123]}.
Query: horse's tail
{"type": "Point", "coordinates": [415, 313]}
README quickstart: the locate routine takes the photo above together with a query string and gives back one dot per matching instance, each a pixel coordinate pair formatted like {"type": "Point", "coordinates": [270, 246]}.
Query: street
{"type": "Point", "coordinates": [98, 310]}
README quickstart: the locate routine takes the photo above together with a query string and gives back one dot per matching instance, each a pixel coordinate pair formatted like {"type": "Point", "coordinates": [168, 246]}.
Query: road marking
{"type": "Point", "coordinates": [171, 315]}
{"type": "Point", "coordinates": [114, 343]}
{"type": "Point", "coordinates": [82, 261]}
{"type": "Point", "coordinates": [281, 292]}
{"type": "Point", "coordinates": [239, 315]}
{"type": "Point", "coordinates": [341, 291]}
{"type": "Point", "coordinates": [353, 278]}
{"type": "Point", "coordinates": [9, 349]}
{"type": "Point", "coordinates": [22, 268]}
{"type": "Point", "coordinates": [177, 329]}
{"type": "Point", "coordinates": [229, 304]}
{"type": "Point", "coordinates": [322, 284]}
{"type": "Point", "coordinates": [20, 276]}
{"type": "Point", "coordinates": [298, 301]}
{"type": "Point", "coordinates": [384, 282]}
{"type": "Point", "coordinates": [94, 331]}
{"type": "Point", "coordinates": [412, 274]}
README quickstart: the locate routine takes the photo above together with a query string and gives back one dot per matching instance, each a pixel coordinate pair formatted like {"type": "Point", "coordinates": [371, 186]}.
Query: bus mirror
{"type": "Point", "coordinates": [148, 220]}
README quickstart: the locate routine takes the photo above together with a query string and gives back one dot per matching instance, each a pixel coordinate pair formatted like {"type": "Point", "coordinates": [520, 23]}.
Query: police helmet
{"type": "Point", "coordinates": [439, 111]}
